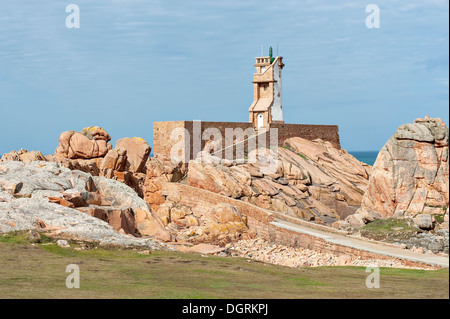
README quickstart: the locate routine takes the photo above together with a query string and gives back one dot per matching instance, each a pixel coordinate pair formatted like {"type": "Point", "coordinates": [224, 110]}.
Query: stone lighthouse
{"type": "Point", "coordinates": [266, 107]}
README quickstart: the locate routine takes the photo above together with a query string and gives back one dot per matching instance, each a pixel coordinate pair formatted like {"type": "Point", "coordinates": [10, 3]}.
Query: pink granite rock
{"type": "Point", "coordinates": [92, 142]}
{"type": "Point", "coordinates": [411, 172]}
{"type": "Point", "coordinates": [137, 150]}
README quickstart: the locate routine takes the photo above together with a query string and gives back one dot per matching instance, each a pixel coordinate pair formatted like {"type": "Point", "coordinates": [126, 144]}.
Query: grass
{"type": "Point", "coordinates": [439, 218]}
{"type": "Point", "coordinates": [37, 270]}
{"type": "Point", "coordinates": [299, 154]}
{"type": "Point", "coordinates": [388, 229]}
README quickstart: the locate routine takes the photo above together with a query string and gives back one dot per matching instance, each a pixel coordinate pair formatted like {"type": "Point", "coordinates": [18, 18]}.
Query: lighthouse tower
{"type": "Point", "coordinates": [266, 107]}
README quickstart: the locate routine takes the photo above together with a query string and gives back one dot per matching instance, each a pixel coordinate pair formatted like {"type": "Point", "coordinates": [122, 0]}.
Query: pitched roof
{"type": "Point", "coordinates": [263, 104]}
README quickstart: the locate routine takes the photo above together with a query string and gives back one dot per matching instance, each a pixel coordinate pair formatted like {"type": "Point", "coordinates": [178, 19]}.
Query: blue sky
{"type": "Point", "coordinates": [133, 62]}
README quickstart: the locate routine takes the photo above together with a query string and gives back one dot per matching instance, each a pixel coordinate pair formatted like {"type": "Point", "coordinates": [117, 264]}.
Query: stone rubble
{"type": "Point", "coordinates": [261, 250]}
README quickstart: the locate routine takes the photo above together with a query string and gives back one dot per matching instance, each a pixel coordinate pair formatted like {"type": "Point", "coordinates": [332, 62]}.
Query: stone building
{"type": "Point", "coordinates": [266, 123]}
{"type": "Point", "coordinates": [267, 107]}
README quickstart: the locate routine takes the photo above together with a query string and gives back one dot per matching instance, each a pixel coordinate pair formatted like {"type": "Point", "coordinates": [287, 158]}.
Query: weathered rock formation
{"type": "Point", "coordinates": [90, 166]}
{"type": "Point", "coordinates": [91, 142]}
{"type": "Point", "coordinates": [348, 177]}
{"type": "Point", "coordinates": [160, 169]}
{"type": "Point", "coordinates": [220, 225]}
{"type": "Point", "coordinates": [310, 180]}
{"type": "Point", "coordinates": [24, 186]}
{"type": "Point", "coordinates": [90, 152]}
{"type": "Point", "coordinates": [114, 160]}
{"type": "Point", "coordinates": [410, 175]}
{"type": "Point", "coordinates": [23, 156]}
{"type": "Point", "coordinates": [137, 150]}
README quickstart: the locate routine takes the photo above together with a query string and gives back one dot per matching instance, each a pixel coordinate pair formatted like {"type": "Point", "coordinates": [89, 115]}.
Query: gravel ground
{"type": "Point", "coordinates": [261, 250]}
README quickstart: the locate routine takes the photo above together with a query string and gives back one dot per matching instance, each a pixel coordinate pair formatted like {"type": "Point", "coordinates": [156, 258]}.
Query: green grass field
{"type": "Point", "coordinates": [38, 271]}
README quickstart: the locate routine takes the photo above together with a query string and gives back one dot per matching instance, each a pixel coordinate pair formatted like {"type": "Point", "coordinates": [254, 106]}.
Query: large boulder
{"type": "Point", "coordinates": [115, 160]}
{"type": "Point", "coordinates": [424, 221]}
{"type": "Point", "coordinates": [137, 150]}
{"type": "Point", "coordinates": [91, 142]}
{"type": "Point", "coordinates": [411, 172]}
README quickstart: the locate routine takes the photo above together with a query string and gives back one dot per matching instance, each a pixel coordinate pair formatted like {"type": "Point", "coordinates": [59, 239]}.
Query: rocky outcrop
{"type": "Point", "coordinates": [91, 142]}
{"type": "Point", "coordinates": [63, 222]}
{"type": "Point", "coordinates": [115, 160]}
{"type": "Point", "coordinates": [160, 169]}
{"type": "Point", "coordinates": [411, 174]}
{"type": "Point", "coordinates": [137, 150]}
{"type": "Point", "coordinates": [310, 180]}
{"type": "Point", "coordinates": [341, 179]}
{"type": "Point", "coordinates": [219, 225]}
{"type": "Point", "coordinates": [89, 151]}
{"type": "Point", "coordinates": [90, 166]}
{"type": "Point", "coordinates": [23, 186]}
{"type": "Point", "coordinates": [23, 156]}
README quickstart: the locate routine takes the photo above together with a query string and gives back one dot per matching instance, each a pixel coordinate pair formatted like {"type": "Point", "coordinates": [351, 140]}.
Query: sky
{"type": "Point", "coordinates": [134, 62]}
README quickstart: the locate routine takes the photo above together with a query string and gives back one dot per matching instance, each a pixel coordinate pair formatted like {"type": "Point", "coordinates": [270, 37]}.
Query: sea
{"type": "Point", "coordinates": [367, 157]}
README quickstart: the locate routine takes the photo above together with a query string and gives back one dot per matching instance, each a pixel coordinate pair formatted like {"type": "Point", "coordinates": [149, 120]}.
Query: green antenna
{"type": "Point", "coordinates": [270, 55]}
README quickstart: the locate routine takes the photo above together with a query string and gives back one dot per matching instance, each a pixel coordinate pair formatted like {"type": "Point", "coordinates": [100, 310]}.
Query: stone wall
{"type": "Point", "coordinates": [162, 131]}
{"type": "Point", "coordinates": [310, 132]}
{"type": "Point", "coordinates": [202, 201]}
{"type": "Point", "coordinates": [261, 220]}
{"type": "Point", "coordinates": [190, 134]}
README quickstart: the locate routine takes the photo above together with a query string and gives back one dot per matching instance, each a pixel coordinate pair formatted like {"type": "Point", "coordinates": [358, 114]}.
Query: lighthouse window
{"type": "Point", "coordinates": [265, 87]}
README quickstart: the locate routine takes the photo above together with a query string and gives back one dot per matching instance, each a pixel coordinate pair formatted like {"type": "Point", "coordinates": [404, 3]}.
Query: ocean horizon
{"type": "Point", "coordinates": [367, 157]}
